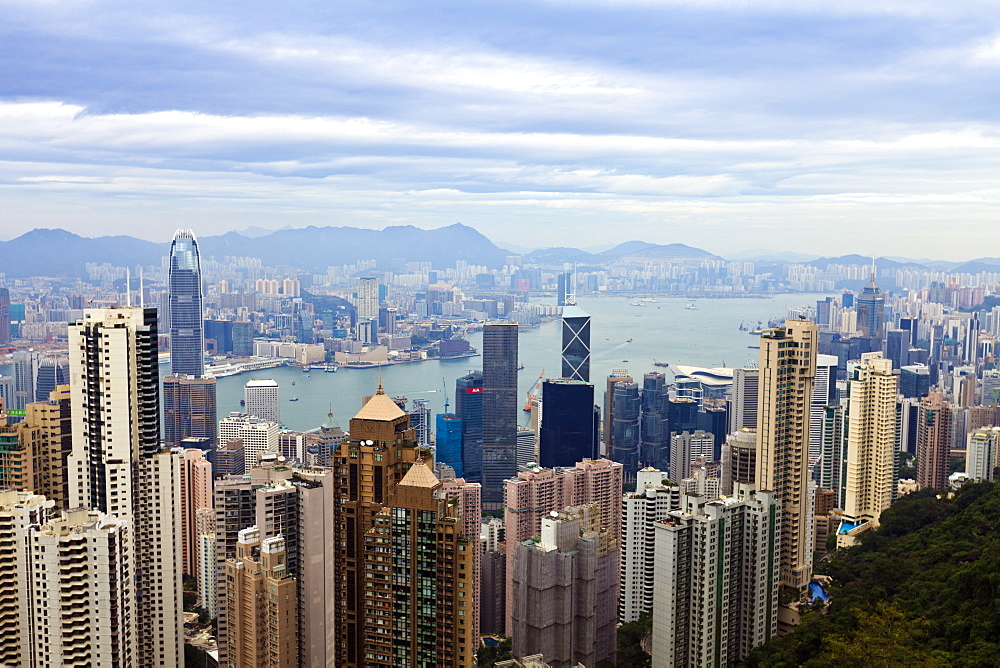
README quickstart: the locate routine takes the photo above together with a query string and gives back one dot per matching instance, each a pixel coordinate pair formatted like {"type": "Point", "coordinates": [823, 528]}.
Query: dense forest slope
{"type": "Point", "coordinates": [923, 590]}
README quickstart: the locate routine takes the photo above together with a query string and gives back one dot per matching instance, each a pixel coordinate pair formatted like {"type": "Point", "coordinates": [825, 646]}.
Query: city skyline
{"type": "Point", "coordinates": [713, 124]}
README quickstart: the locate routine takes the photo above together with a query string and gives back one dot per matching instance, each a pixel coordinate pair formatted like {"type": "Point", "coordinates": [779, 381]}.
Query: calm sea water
{"type": "Point", "coordinates": [664, 331]}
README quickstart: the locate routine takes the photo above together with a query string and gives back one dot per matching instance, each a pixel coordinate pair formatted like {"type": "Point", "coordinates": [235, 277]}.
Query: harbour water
{"type": "Point", "coordinates": [664, 330]}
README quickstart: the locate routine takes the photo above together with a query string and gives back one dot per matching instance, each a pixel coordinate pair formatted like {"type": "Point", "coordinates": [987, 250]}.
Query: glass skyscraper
{"type": "Point", "coordinates": [569, 423]}
{"type": "Point", "coordinates": [575, 344]}
{"type": "Point", "coordinates": [499, 408]}
{"type": "Point", "coordinates": [469, 408]}
{"type": "Point", "coordinates": [187, 329]}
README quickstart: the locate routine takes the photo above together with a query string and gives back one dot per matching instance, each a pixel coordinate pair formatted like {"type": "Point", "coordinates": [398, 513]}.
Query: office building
{"type": "Point", "coordinates": [607, 425]}
{"type": "Point", "coordinates": [189, 410]}
{"type": "Point", "coordinates": [228, 458]}
{"type": "Point", "coordinates": [419, 586]}
{"type": "Point", "coordinates": [787, 368]}
{"type": "Point", "coordinates": [653, 499]}
{"type": "Point", "coordinates": [258, 436]}
{"type": "Point", "coordinates": [824, 393]}
{"type": "Point", "coordinates": [871, 310]}
{"type": "Point", "coordinates": [870, 481]}
{"type": "Point", "coordinates": [982, 454]}
{"type": "Point", "coordinates": [469, 409]}
{"type": "Point", "coordinates": [367, 305]}
{"type": "Point", "coordinates": [117, 466]}
{"type": "Point", "coordinates": [448, 442]}
{"type": "Point", "coordinates": [185, 311]}
{"type": "Point", "coordinates": [934, 440]}
{"type": "Point", "coordinates": [716, 580]}
{"type": "Point", "coordinates": [500, 408]}
{"type": "Point", "coordinates": [261, 399]}
{"type": "Point", "coordinates": [5, 335]}
{"type": "Point", "coordinates": [262, 602]}
{"type": "Point", "coordinates": [527, 448]}
{"type": "Point", "coordinates": [626, 411]}
{"type": "Point", "coordinates": [654, 423]}
{"type": "Point", "coordinates": [368, 467]}
{"type": "Point", "coordinates": [575, 344]}
{"type": "Point", "coordinates": [570, 423]}
{"type": "Point", "coordinates": [897, 347]}
{"type": "Point", "coordinates": [420, 422]}
{"type": "Point", "coordinates": [53, 370]}
{"type": "Point", "coordinates": [565, 590]}
{"type": "Point", "coordinates": [914, 381]}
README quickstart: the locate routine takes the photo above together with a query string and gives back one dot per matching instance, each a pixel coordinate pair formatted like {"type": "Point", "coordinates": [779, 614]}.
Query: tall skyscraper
{"type": "Point", "coordinates": [652, 499]}
{"type": "Point", "coordinates": [716, 580]}
{"type": "Point", "coordinates": [745, 390]}
{"type": "Point", "coordinates": [189, 410]}
{"type": "Point", "coordinates": [261, 599]}
{"type": "Point", "coordinates": [499, 408]}
{"type": "Point", "coordinates": [871, 442]}
{"type": "Point", "coordinates": [569, 423]}
{"type": "Point", "coordinates": [469, 408]}
{"type": "Point", "coordinates": [787, 369]}
{"type": "Point", "coordinates": [418, 557]}
{"type": "Point", "coordinates": [368, 466]}
{"type": "Point", "coordinates": [654, 428]}
{"type": "Point", "coordinates": [829, 472]}
{"type": "Point", "coordinates": [871, 310]}
{"type": "Point", "coordinates": [575, 343]}
{"type": "Point", "coordinates": [626, 411]}
{"type": "Point", "coordinates": [187, 326]}
{"type": "Point", "coordinates": [607, 424]}
{"type": "Point", "coordinates": [448, 442]}
{"type": "Point", "coordinates": [934, 439]}
{"type": "Point", "coordinates": [261, 398]}
{"type": "Point", "coordinates": [367, 310]}
{"type": "Point", "coordinates": [824, 393]}
{"type": "Point", "coordinates": [117, 466]}
{"type": "Point", "coordinates": [4, 316]}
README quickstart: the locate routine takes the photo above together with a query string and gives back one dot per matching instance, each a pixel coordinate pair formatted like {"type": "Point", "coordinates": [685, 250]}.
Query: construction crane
{"type": "Point", "coordinates": [533, 392]}
{"type": "Point", "coordinates": [444, 388]}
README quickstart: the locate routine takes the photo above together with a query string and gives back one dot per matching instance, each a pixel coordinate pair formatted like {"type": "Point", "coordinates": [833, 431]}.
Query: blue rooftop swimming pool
{"type": "Point", "coordinates": [816, 591]}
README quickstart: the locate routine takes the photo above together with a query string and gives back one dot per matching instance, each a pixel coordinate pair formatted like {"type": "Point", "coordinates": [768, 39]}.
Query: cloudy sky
{"type": "Point", "coordinates": [833, 127]}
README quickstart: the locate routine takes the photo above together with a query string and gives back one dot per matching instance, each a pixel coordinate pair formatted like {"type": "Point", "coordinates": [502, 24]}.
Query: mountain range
{"type": "Point", "coordinates": [56, 252]}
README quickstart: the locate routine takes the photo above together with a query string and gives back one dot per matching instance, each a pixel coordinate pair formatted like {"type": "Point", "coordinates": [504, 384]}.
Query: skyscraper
{"type": "Point", "coordinates": [367, 310]}
{"type": "Point", "coordinates": [626, 407]}
{"type": "Point", "coordinates": [871, 310]}
{"type": "Point", "coordinates": [117, 466]}
{"type": "Point", "coordinates": [187, 327]}
{"type": "Point", "coordinates": [871, 442]}
{"type": "Point", "coordinates": [261, 398]}
{"type": "Point", "coordinates": [4, 316]}
{"type": "Point", "coordinates": [368, 466]}
{"type": "Point", "coordinates": [934, 438]}
{"type": "Point", "coordinates": [569, 423]}
{"type": "Point", "coordinates": [469, 409]}
{"type": "Point", "coordinates": [744, 412]}
{"type": "Point", "coordinates": [189, 410]}
{"type": "Point", "coordinates": [575, 343]}
{"type": "Point", "coordinates": [448, 442]}
{"type": "Point", "coordinates": [499, 408]}
{"type": "Point", "coordinates": [787, 369]}
{"type": "Point", "coordinates": [654, 431]}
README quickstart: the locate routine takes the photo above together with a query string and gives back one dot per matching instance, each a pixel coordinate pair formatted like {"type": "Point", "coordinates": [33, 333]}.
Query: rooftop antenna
{"type": "Point", "coordinates": [128, 286]}
{"type": "Point", "coordinates": [142, 297]}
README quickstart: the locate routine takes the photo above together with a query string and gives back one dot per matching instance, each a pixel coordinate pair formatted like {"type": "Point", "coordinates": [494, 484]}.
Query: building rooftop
{"type": "Point", "coordinates": [380, 408]}
{"type": "Point", "coordinates": [420, 476]}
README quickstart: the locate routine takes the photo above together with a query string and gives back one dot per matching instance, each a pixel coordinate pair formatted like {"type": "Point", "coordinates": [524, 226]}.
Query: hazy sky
{"type": "Point", "coordinates": [833, 127]}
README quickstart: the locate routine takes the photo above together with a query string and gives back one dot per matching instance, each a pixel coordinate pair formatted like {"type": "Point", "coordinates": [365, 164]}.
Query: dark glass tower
{"type": "Point", "coordinates": [625, 427]}
{"type": "Point", "coordinates": [569, 423]}
{"type": "Point", "coordinates": [499, 408]}
{"type": "Point", "coordinates": [575, 344]}
{"type": "Point", "coordinates": [449, 442]}
{"type": "Point", "coordinates": [469, 409]}
{"type": "Point", "coordinates": [655, 447]}
{"type": "Point", "coordinates": [187, 329]}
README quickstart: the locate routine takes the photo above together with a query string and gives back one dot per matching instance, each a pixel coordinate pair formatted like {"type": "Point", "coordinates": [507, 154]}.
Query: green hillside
{"type": "Point", "coordinates": [924, 590]}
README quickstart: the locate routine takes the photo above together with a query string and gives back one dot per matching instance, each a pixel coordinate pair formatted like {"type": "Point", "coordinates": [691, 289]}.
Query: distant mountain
{"type": "Point", "coordinates": [663, 253]}
{"type": "Point", "coordinates": [560, 255]}
{"type": "Point", "coordinates": [975, 266]}
{"type": "Point", "coordinates": [627, 248]}
{"type": "Point", "coordinates": [44, 252]}
{"type": "Point", "coordinates": [254, 232]}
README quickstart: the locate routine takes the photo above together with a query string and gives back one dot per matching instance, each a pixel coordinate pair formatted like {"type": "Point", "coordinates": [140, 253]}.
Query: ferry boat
{"type": "Point", "coordinates": [306, 369]}
{"type": "Point", "coordinates": [692, 306]}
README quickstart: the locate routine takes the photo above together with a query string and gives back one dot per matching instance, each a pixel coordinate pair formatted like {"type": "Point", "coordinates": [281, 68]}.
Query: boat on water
{"type": "Point", "coordinates": [331, 368]}
{"type": "Point", "coordinates": [758, 330]}
{"type": "Point", "coordinates": [692, 306]}
{"type": "Point", "coordinates": [651, 300]}
{"type": "Point", "coordinates": [638, 302]}
{"type": "Point", "coordinates": [294, 399]}
{"type": "Point", "coordinates": [754, 347]}
{"type": "Point", "coordinates": [520, 367]}
{"type": "Point", "coordinates": [744, 328]}
{"type": "Point", "coordinates": [659, 363]}
{"type": "Point", "coordinates": [293, 382]}
{"type": "Point", "coordinates": [306, 369]}
{"type": "Point", "coordinates": [628, 341]}
{"type": "Point", "coordinates": [243, 402]}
